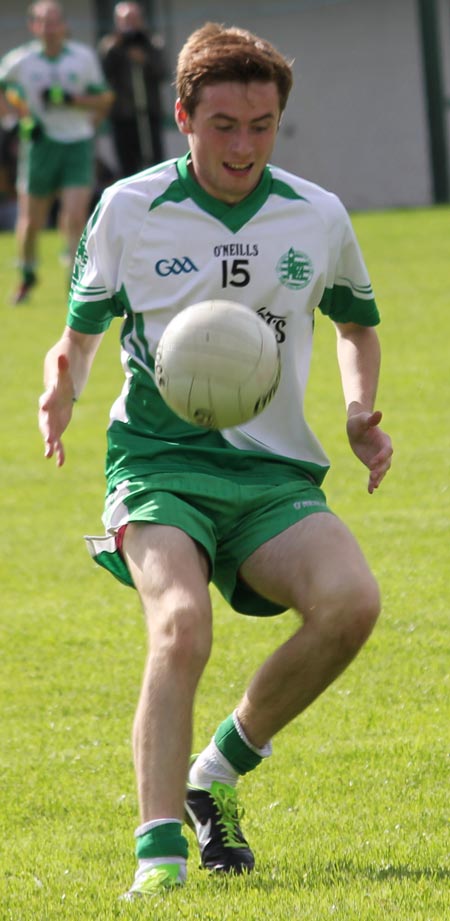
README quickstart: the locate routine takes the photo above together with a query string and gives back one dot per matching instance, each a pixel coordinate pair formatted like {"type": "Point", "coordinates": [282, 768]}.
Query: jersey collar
{"type": "Point", "coordinates": [233, 216]}
{"type": "Point", "coordinates": [55, 57]}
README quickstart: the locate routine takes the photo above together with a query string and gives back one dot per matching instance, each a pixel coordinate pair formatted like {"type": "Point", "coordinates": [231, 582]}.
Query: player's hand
{"type": "Point", "coordinates": [371, 445]}
{"type": "Point", "coordinates": [56, 96]}
{"type": "Point", "coordinates": [55, 411]}
{"type": "Point", "coordinates": [30, 130]}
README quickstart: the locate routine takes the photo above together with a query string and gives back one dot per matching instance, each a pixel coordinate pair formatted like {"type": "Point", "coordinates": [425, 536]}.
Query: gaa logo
{"type": "Point", "coordinates": [175, 266]}
{"type": "Point", "coordinates": [295, 269]}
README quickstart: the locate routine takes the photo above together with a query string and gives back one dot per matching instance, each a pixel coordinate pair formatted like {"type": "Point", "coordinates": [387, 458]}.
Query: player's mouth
{"type": "Point", "coordinates": [238, 169]}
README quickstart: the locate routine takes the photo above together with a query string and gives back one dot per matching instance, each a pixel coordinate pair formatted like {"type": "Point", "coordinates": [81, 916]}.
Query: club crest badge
{"type": "Point", "coordinates": [295, 269]}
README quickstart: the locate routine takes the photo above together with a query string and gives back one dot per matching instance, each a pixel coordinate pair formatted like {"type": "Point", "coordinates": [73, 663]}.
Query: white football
{"type": "Point", "coordinates": [217, 364]}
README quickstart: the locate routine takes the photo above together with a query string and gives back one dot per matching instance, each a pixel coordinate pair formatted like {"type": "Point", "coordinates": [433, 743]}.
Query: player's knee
{"type": "Point", "coordinates": [184, 639]}
{"type": "Point", "coordinates": [359, 612]}
{"type": "Point", "coordinates": [346, 614]}
{"type": "Point", "coordinates": [73, 220]}
{"type": "Point", "coordinates": [74, 227]}
{"type": "Point", "coordinates": [31, 225]}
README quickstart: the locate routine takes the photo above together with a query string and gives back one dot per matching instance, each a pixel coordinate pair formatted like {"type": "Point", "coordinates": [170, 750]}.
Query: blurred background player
{"type": "Point", "coordinates": [60, 94]}
{"type": "Point", "coordinates": [134, 65]}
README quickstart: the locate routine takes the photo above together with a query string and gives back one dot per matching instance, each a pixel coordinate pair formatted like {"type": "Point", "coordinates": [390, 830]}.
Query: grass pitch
{"type": "Point", "coordinates": [348, 818]}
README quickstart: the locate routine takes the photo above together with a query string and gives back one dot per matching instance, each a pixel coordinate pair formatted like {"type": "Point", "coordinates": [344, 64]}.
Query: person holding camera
{"type": "Point", "coordinates": [135, 67]}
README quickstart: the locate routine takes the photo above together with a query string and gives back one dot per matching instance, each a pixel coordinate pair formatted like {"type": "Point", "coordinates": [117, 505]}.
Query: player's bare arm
{"type": "Point", "coordinates": [359, 363]}
{"type": "Point", "coordinates": [5, 108]}
{"type": "Point", "coordinates": [97, 103]}
{"type": "Point", "coordinates": [12, 107]}
{"type": "Point", "coordinates": [66, 370]}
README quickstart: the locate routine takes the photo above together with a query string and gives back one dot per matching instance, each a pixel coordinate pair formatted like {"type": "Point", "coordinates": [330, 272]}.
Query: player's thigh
{"type": "Point", "coordinates": [75, 201]}
{"type": "Point", "coordinates": [40, 173]}
{"type": "Point", "coordinates": [77, 168]}
{"type": "Point", "coordinates": [33, 210]}
{"type": "Point", "coordinates": [169, 569]}
{"type": "Point", "coordinates": [315, 566]}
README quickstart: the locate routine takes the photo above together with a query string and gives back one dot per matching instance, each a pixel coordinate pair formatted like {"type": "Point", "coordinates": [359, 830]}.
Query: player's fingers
{"type": "Point", "coordinates": [60, 455]}
{"type": "Point", "coordinates": [383, 458]}
{"type": "Point", "coordinates": [63, 363]}
{"type": "Point", "coordinates": [374, 419]}
{"type": "Point", "coordinates": [378, 472]}
{"type": "Point", "coordinates": [55, 448]}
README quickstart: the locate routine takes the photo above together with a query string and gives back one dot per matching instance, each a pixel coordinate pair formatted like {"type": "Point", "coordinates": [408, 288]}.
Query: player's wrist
{"type": "Point", "coordinates": [356, 408]}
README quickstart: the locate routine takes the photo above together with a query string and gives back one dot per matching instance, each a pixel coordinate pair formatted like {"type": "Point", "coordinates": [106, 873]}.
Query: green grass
{"type": "Point", "coordinates": [348, 818]}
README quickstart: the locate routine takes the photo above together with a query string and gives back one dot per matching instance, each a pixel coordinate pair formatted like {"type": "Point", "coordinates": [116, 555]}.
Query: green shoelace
{"type": "Point", "coordinates": [225, 799]}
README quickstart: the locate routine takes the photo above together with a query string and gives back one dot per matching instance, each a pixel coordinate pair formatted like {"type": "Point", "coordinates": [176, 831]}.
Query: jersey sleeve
{"type": "Point", "coordinates": [95, 78]}
{"type": "Point", "coordinates": [9, 68]}
{"type": "Point", "coordinates": [93, 298]}
{"type": "Point", "coordinates": [348, 296]}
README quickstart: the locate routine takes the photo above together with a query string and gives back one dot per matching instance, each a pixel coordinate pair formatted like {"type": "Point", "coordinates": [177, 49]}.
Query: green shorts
{"type": "Point", "coordinates": [46, 166]}
{"type": "Point", "coordinates": [228, 519]}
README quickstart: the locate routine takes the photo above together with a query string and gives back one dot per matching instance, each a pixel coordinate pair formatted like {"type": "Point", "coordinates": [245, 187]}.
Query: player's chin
{"type": "Point", "coordinates": [238, 184]}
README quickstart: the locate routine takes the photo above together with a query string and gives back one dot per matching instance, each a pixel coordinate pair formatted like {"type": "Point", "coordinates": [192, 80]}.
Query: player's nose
{"type": "Point", "coordinates": [241, 143]}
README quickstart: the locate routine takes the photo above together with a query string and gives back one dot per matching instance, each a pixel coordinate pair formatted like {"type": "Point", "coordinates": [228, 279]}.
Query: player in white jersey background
{"type": "Point", "coordinates": [57, 87]}
{"type": "Point", "coordinates": [244, 507]}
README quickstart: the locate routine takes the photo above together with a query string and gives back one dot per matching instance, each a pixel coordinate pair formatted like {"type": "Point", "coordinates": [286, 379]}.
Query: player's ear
{"type": "Point", "coordinates": [182, 118]}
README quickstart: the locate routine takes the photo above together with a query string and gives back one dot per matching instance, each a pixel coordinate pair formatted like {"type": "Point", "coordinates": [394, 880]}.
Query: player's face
{"type": "Point", "coordinates": [48, 25]}
{"type": "Point", "coordinates": [231, 136]}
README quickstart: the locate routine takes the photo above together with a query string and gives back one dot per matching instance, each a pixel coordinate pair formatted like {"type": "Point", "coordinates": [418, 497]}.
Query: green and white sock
{"type": "Point", "coordinates": [211, 766]}
{"type": "Point", "coordinates": [28, 273]}
{"type": "Point", "coordinates": [228, 755]}
{"type": "Point", "coordinates": [161, 842]}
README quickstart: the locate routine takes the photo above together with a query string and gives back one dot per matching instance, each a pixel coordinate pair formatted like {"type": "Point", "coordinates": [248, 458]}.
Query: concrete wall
{"type": "Point", "coordinates": [356, 120]}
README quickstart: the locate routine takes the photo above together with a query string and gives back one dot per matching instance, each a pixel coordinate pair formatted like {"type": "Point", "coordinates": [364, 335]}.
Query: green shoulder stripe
{"type": "Point", "coordinates": [174, 193]}
{"type": "Point", "coordinates": [285, 191]}
{"type": "Point", "coordinates": [234, 217]}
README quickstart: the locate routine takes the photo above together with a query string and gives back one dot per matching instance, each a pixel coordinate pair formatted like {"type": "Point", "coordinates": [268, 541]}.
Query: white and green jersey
{"type": "Point", "coordinates": [157, 243]}
{"type": "Point", "coordinates": [75, 70]}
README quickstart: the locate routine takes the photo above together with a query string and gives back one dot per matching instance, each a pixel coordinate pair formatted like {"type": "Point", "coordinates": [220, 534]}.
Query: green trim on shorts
{"type": "Point", "coordinates": [46, 166]}
{"type": "Point", "coordinates": [229, 519]}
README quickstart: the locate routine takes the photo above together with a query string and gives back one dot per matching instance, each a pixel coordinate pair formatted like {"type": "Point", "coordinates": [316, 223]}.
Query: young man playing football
{"type": "Point", "coordinates": [244, 507]}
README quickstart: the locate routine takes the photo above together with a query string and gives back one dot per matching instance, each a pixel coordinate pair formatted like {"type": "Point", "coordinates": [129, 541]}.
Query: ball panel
{"type": "Point", "coordinates": [217, 364]}
{"type": "Point", "coordinates": [224, 350]}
